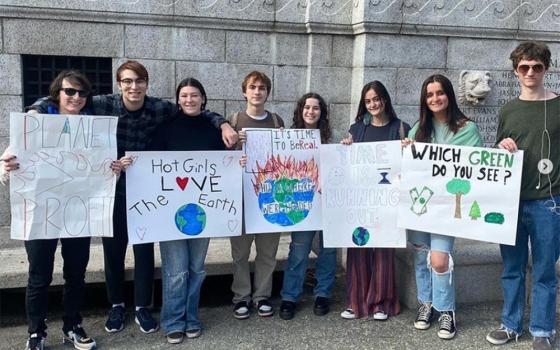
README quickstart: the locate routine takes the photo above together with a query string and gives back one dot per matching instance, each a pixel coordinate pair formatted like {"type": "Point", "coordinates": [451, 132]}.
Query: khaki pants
{"type": "Point", "coordinates": [265, 262]}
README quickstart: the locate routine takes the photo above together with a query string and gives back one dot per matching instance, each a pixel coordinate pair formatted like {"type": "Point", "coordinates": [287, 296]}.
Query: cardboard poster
{"type": "Point", "coordinates": [183, 195]}
{"type": "Point", "coordinates": [360, 187]}
{"type": "Point", "coordinates": [64, 187]}
{"type": "Point", "coordinates": [281, 180]}
{"type": "Point", "coordinates": [468, 192]}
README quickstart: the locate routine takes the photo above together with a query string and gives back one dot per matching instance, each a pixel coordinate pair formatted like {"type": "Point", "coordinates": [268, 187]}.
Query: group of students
{"type": "Point", "coordinates": [147, 123]}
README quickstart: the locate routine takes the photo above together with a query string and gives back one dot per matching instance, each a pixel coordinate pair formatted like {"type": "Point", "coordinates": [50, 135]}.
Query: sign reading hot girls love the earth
{"type": "Point", "coordinates": [468, 192]}
{"type": "Point", "coordinates": [64, 186]}
{"type": "Point", "coordinates": [360, 195]}
{"type": "Point", "coordinates": [181, 195]}
{"type": "Point", "coordinates": [281, 180]}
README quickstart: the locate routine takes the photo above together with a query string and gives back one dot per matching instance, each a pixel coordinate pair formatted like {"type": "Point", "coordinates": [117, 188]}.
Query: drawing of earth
{"type": "Point", "coordinates": [288, 201]}
{"type": "Point", "coordinates": [360, 236]}
{"type": "Point", "coordinates": [190, 219]}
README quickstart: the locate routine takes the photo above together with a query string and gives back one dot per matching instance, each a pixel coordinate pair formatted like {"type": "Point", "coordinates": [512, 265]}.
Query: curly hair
{"type": "Point", "coordinates": [323, 123]}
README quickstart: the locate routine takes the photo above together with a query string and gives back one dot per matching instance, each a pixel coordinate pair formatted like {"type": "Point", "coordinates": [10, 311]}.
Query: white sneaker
{"type": "Point", "coordinates": [380, 316]}
{"type": "Point", "coordinates": [348, 314]}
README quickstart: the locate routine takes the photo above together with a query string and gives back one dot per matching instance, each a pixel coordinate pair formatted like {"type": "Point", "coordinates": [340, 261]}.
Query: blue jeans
{"type": "Point", "coordinates": [182, 270]}
{"type": "Point", "coordinates": [294, 273]}
{"type": "Point", "coordinates": [537, 223]}
{"type": "Point", "coordinates": [432, 286]}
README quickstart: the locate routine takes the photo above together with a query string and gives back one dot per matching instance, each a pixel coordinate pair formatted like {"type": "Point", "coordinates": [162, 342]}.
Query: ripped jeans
{"type": "Point", "coordinates": [431, 286]}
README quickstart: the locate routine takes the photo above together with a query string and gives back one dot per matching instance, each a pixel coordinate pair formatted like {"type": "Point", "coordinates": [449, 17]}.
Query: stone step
{"type": "Point", "coordinates": [218, 262]}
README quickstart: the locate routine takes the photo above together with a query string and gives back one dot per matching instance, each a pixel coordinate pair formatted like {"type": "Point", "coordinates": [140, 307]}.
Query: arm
{"type": "Point", "coordinates": [40, 106]}
{"type": "Point", "coordinates": [229, 136]}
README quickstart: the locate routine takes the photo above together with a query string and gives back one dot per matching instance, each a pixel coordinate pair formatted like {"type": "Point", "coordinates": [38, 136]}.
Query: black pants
{"type": "Point", "coordinates": [115, 249]}
{"type": "Point", "coordinates": [40, 254]}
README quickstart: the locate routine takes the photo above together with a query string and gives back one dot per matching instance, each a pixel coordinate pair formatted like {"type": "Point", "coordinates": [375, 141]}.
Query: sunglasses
{"type": "Point", "coordinates": [72, 92]}
{"type": "Point", "coordinates": [524, 68]}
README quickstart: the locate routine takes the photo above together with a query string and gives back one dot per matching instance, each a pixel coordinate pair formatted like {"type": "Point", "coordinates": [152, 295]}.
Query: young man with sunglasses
{"type": "Point", "coordinates": [531, 123]}
{"type": "Point", "coordinates": [139, 116]}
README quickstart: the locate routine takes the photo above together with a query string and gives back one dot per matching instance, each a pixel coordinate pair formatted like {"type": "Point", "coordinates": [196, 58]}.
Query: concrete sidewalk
{"type": "Point", "coordinates": [305, 331]}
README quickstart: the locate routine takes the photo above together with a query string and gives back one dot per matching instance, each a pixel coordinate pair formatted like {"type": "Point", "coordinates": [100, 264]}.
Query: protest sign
{"type": "Point", "coordinates": [360, 187]}
{"type": "Point", "coordinates": [64, 186]}
{"type": "Point", "coordinates": [281, 179]}
{"type": "Point", "coordinates": [468, 192]}
{"type": "Point", "coordinates": [180, 195]}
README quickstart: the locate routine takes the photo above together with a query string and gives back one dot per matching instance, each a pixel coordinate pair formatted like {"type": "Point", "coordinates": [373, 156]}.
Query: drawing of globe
{"type": "Point", "coordinates": [288, 201]}
{"type": "Point", "coordinates": [360, 236]}
{"type": "Point", "coordinates": [190, 219]}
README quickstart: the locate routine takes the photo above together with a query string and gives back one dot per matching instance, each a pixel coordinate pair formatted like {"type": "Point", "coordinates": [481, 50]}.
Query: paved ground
{"type": "Point", "coordinates": [305, 331]}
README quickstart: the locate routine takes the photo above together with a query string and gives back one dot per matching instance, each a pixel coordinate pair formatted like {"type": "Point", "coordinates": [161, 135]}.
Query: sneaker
{"type": "Point", "coordinates": [501, 336]}
{"type": "Point", "coordinates": [36, 341]}
{"type": "Point", "coordinates": [424, 316]}
{"type": "Point", "coordinates": [348, 314]}
{"type": "Point", "coordinates": [287, 310]}
{"type": "Point", "coordinates": [175, 337]}
{"type": "Point", "coordinates": [194, 333]}
{"type": "Point", "coordinates": [115, 320]}
{"type": "Point", "coordinates": [241, 310]}
{"type": "Point", "coordinates": [77, 336]}
{"type": "Point", "coordinates": [264, 308]}
{"type": "Point", "coordinates": [447, 328]}
{"type": "Point", "coordinates": [380, 316]}
{"type": "Point", "coordinates": [144, 319]}
{"type": "Point", "coordinates": [542, 343]}
{"type": "Point", "coordinates": [321, 306]}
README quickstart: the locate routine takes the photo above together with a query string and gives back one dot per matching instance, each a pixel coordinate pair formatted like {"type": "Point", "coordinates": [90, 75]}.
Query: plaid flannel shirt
{"type": "Point", "coordinates": [133, 133]}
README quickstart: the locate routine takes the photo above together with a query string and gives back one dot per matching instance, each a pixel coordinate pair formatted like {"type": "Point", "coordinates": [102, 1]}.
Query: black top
{"type": "Point", "coordinates": [186, 133]}
{"type": "Point", "coordinates": [377, 133]}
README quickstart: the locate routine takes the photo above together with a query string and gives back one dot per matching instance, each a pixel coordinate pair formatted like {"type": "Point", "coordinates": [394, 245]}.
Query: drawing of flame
{"type": "Point", "coordinates": [276, 168]}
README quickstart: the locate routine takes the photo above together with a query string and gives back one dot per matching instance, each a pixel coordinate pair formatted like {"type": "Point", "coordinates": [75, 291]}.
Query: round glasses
{"type": "Point", "coordinates": [139, 82]}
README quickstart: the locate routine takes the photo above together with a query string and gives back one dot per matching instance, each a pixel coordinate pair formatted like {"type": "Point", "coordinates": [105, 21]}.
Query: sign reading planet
{"type": "Point", "coordinates": [360, 236]}
{"type": "Point", "coordinates": [190, 219]}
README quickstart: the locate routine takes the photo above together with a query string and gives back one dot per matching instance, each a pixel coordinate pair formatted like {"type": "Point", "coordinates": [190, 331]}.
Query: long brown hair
{"type": "Point", "coordinates": [382, 93]}
{"type": "Point", "coordinates": [455, 117]}
{"type": "Point", "coordinates": [323, 124]}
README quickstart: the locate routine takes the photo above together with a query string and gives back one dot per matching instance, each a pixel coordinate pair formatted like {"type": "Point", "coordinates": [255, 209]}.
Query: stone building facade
{"type": "Point", "coordinates": [332, 47]}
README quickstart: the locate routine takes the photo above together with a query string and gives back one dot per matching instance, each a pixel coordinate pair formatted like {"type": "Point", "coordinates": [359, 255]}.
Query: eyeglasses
{"type": "Point", "coordinates": [139, 82]}
{"type": "Point", "coordinates": [524, 68]}
{"type": "Point", "coordinates": [72, 92]}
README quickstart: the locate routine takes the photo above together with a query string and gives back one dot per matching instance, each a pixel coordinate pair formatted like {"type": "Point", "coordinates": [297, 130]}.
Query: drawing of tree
{"type": "Point", "coordinates": [458, 187]}
{"type": "Point", "coordinates": [475, 211]}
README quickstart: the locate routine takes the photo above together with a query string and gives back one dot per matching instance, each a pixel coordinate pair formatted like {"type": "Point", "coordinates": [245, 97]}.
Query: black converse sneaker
{"type": "Point", "coordinates": [447, 325]}
{"type": "Point", "coordinates": [36, 341]}
{"type": "Point", "coordinates": [77, 336]}
{"type": "Point", "coordinates": [424, 316]}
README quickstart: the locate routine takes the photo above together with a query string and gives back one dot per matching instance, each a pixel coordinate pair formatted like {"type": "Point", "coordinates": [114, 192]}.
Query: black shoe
{"type": "Point", "coordinates": [424, 316]}
{"type": "Point", "coordinates": [144, 319]}
{"type": "Point", "coordinates": [287, 310]}
{"type": "Point", "coordinates": [264, 308]}
{"type": "Point", "coordinates": [241, 310]}
{"type": "Point", "coordinates": [321, 307]}
{"type": "Point", "coordinates": [36, 341]}
{"type": "Point", "coordinates": [447, 328]}
{"type": "Point", "coordinates": [77, 336]}
{"type": "Point", "coordinates": [175, 337]}
{"type": "Point", "coordinates": [115, 321]}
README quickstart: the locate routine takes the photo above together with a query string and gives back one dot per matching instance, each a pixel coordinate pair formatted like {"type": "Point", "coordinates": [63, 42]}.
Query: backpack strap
{"type": "Point", "coordinates": [401, 131]}
{"type": "Point", "coordinates": [233, 120]}
{"type": "Point", "coordinates": [275, 118]}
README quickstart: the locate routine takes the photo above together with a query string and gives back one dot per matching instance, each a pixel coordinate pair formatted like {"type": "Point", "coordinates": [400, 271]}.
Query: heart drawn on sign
{"type": "Point", "coordinates": [227, 160]}
{"type": "Point", "coordinates": [232, 225]}
{"type": "Point", "coordinates": [141, 232]}
{"type": "Point", "coordinates": [182, 182]}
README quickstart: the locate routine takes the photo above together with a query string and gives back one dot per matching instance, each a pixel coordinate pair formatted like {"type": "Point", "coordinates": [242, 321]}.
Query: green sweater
{"type": "Point", "coordinates": [468, 135]}
{"type": "Point", "coordinates": [524, 122]}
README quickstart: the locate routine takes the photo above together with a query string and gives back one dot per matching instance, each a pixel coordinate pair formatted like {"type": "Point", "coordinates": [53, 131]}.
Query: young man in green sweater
{"type": "Point", "coordinates": [532, 123]}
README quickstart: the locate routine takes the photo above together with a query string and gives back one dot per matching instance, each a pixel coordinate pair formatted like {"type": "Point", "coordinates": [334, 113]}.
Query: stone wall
{"type": "Point", "coordinates": [329, 46]}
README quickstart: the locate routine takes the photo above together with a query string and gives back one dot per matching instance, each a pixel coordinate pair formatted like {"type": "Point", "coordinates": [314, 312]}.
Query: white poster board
{"type": "Point", "coordinates": [64, 187]}
{"type": "Point", "coordinates": [183, 195]}
{"type": "Point", "coordinates": [360, 187]}
{"type": "Point", "coordinates": [468, 192]}
{"type": "Point", "coordinates": [281, 179]}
